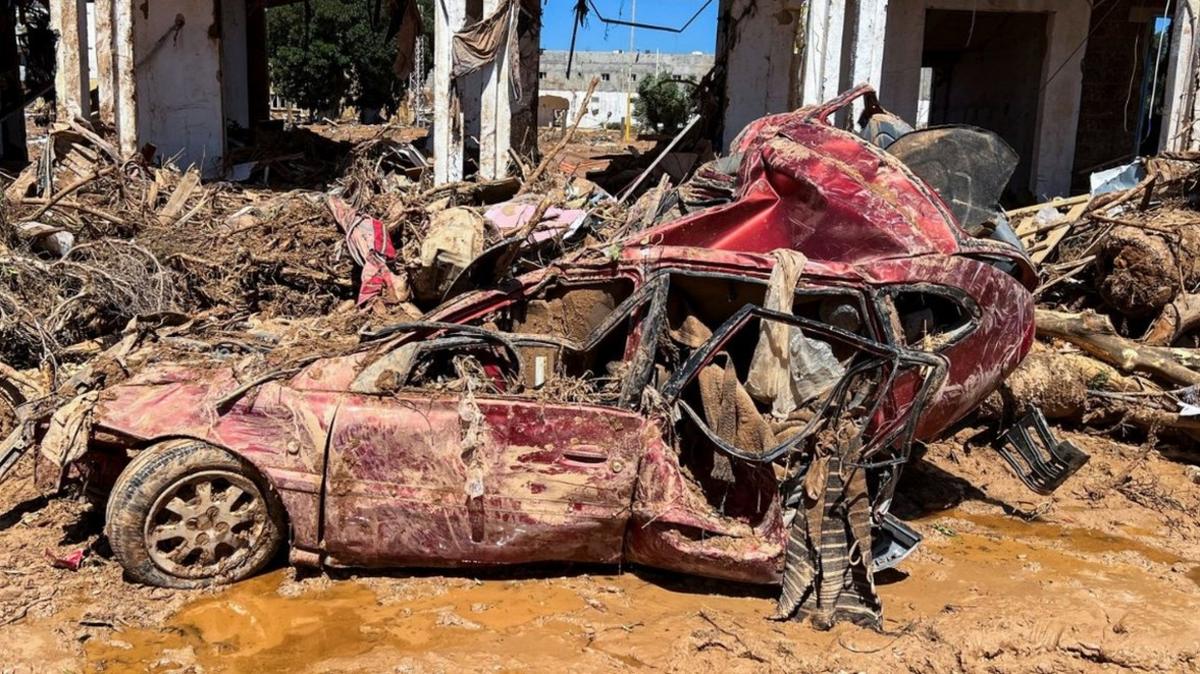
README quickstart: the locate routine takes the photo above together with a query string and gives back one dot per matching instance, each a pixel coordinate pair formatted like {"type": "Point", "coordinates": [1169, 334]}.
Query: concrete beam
{"type": "Point", "coordinates": [68, 19]}
{"type": "Point", "coordinates": [449, 16]}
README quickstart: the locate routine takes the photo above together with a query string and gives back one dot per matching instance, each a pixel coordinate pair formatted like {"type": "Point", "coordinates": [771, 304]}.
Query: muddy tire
{"type": "Point", "coordinates": [185, 514]}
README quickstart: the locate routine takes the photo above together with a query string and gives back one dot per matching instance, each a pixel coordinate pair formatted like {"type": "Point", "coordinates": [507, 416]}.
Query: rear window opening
{"type": "Point", "coordinates": [929, 320]}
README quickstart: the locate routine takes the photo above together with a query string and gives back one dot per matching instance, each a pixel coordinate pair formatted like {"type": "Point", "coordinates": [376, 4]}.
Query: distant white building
{"type": "Point", "coordinates": [619, 73]}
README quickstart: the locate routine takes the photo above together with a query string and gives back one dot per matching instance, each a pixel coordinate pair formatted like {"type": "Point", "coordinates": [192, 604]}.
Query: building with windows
{"type": "Point", "coordinates": [619, 73]}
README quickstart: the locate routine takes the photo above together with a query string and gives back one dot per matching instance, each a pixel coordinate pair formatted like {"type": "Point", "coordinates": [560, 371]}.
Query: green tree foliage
{"type": "Point", "coordinates": [662, 105]}
{"type": "Point", "coordinates": [327, 53]}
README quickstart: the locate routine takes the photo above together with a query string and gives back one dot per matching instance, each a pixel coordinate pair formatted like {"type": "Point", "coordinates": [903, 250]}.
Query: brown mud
{"type": "Point", "coordinates": [1103, 576]}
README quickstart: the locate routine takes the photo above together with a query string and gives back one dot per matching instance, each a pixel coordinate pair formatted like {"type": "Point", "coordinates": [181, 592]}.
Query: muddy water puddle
{"type": "Point", "coordinates": [353, 625]}
{"type": "Point", "coordinates": [999, 566]}
{"type": "Point", "coordinates": [1074, 539]}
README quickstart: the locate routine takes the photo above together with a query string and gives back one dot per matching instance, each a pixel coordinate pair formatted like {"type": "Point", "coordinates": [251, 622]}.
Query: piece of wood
{"type": "Point", "coordinates": [1056, 235]}
{"type": "Point", "coordinates": [1177, 318]}
{"type": "Point", "coordinates": [70, 189]}
{"type": "Point", "coordinates": [1095, 335]}
{"type": "Point", "coordinates": [83, 208]}
{"type": "Point", "coordinates": [174, 206]}
{"type": "Point", "coordinates": [19, 188]}
{"type": "Point", "coordinates": [1053, 203]}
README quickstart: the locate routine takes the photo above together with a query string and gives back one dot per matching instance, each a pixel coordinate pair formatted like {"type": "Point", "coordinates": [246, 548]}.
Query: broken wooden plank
{"type": "Point", "coordinates": [1057, 234]}
{"type": "Point", "coordinates": [188, 184]}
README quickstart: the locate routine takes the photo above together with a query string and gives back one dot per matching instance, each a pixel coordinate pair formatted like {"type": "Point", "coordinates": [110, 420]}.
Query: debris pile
{"type": "Point", "coordinates": [1118, 311]}
{"type": "Point", "coordinates": [112, 263]}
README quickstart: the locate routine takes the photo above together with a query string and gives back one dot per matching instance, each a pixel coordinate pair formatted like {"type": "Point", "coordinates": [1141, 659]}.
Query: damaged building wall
{"type": "Point", "coordinates": [1059, 86]}
{"type": "Point", "coordinates": [1180, 106]}
{"type": "Point", "coordinates": [1118, 70]}
{"type": "Point", "coordinates": [756, 40]}
{"type": "Point", "coordinates": [178, 76]}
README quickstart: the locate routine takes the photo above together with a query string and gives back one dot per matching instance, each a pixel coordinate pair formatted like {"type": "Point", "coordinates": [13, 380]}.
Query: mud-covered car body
{"type": "Point", "coordinates": [391, 456]}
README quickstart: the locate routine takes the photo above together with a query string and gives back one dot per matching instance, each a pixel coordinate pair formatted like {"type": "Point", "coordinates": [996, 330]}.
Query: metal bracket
{"type": "Point", "coordinates": [1039, 460]}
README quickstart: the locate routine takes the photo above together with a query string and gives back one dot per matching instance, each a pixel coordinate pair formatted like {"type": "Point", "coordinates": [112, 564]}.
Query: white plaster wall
{"type": "Point", "coordinates": [235, 86]}
{"type": "Point", "coordinates": [179, 106]}
{"type": "Point", "coordinates": [605, 107]}
{"type": "Point", "coordinates": [1058, 105]}
{"type": "Point", "coordinates": [761, 68]}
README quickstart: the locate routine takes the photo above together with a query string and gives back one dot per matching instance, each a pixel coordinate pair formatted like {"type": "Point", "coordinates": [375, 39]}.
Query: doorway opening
{"type": "Point", "coordinates": [984, 69]}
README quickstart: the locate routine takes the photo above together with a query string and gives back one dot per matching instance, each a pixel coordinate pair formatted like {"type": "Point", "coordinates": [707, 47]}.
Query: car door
{"type": "Point", "coordinates": [416, 479]}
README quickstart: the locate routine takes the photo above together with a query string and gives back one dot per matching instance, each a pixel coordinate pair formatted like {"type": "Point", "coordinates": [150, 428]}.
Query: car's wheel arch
{"type": "Point", "coordinates": [141, 448]}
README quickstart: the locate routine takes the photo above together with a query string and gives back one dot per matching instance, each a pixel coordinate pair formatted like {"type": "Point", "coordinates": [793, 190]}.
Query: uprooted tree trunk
{"type": "Point", "coordinates": [1142, 270]}
{"type": "Point", "coordinates": [1095, 334]}
{"type": "Point", "coordinates": [1077, 388]}
{"type": "Point", "coordinates": [1176, 319]}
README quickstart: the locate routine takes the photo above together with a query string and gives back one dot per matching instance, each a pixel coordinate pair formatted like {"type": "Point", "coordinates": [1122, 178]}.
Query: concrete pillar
{"type": "Point", "coordinates": [823, 50]}
{"type": "Point", "coordinates": [496, 112]}
{"type": "Point", "coordinates": [258, 79]}
{"type": "Point", "coordinates": [1180, 115]}
{"type": "Point", "coordinates": [866, 44]}
{"type": "Point", "coordinates": [124, 67]}
{"type": "Point", "coordinates": [449, 17]}
{"type": "Point", "coordinates": [235, 88]}
{"type": "Point", "coordinates": [756, 41]}
{"type": "Point", "coordinates": [68, 19]}
{"type": "Point", "coordinates": [524, 113]}
{"type": "Point", "coordinates": [106, 77]}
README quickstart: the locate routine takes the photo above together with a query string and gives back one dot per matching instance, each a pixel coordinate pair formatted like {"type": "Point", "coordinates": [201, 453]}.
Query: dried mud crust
{"type": "Point", "coordinates": [149, 479]}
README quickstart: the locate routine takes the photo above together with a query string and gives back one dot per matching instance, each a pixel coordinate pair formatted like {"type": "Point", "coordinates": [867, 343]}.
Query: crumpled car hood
{"type": "Point", "coordinates": [805, 185]}
{"type": "Point", "coordinates": [165, 400]}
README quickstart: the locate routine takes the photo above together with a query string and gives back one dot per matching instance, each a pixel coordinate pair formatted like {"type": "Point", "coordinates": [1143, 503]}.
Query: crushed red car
{"type": "Point", "coordinates": [731, 394]}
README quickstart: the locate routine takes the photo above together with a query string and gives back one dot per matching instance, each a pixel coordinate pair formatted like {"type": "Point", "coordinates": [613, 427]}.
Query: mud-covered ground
{"type": "Point", "coordinates": [1104, 576]}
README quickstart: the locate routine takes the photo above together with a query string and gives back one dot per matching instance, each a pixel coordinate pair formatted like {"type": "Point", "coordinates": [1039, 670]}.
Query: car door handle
{"type": "Point", "coordinates": [588, 454]}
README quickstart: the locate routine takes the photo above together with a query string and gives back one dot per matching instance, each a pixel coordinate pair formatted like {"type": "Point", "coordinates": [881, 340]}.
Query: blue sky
{"type": "Point", "coordinates": [558, 15]}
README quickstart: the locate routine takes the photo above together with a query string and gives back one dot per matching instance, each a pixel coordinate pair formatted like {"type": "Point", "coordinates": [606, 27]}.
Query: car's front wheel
{"type": "Point", "coordinates": [185, 514]}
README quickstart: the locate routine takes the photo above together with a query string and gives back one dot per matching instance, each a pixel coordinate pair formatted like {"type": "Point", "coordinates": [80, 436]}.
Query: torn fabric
{"type": "Point", "coordinates": [789, 368]}
{"type": "Point", "coordinates": [479, 44]}
{"type": "Point", "coordinates": [371, 247]}
{"type": "Point", "coordinates": [406, 32]}
{"type": "Point", "coordinates": [70, 427]}
{"type": "Point", "coordinates": [827, 570]}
